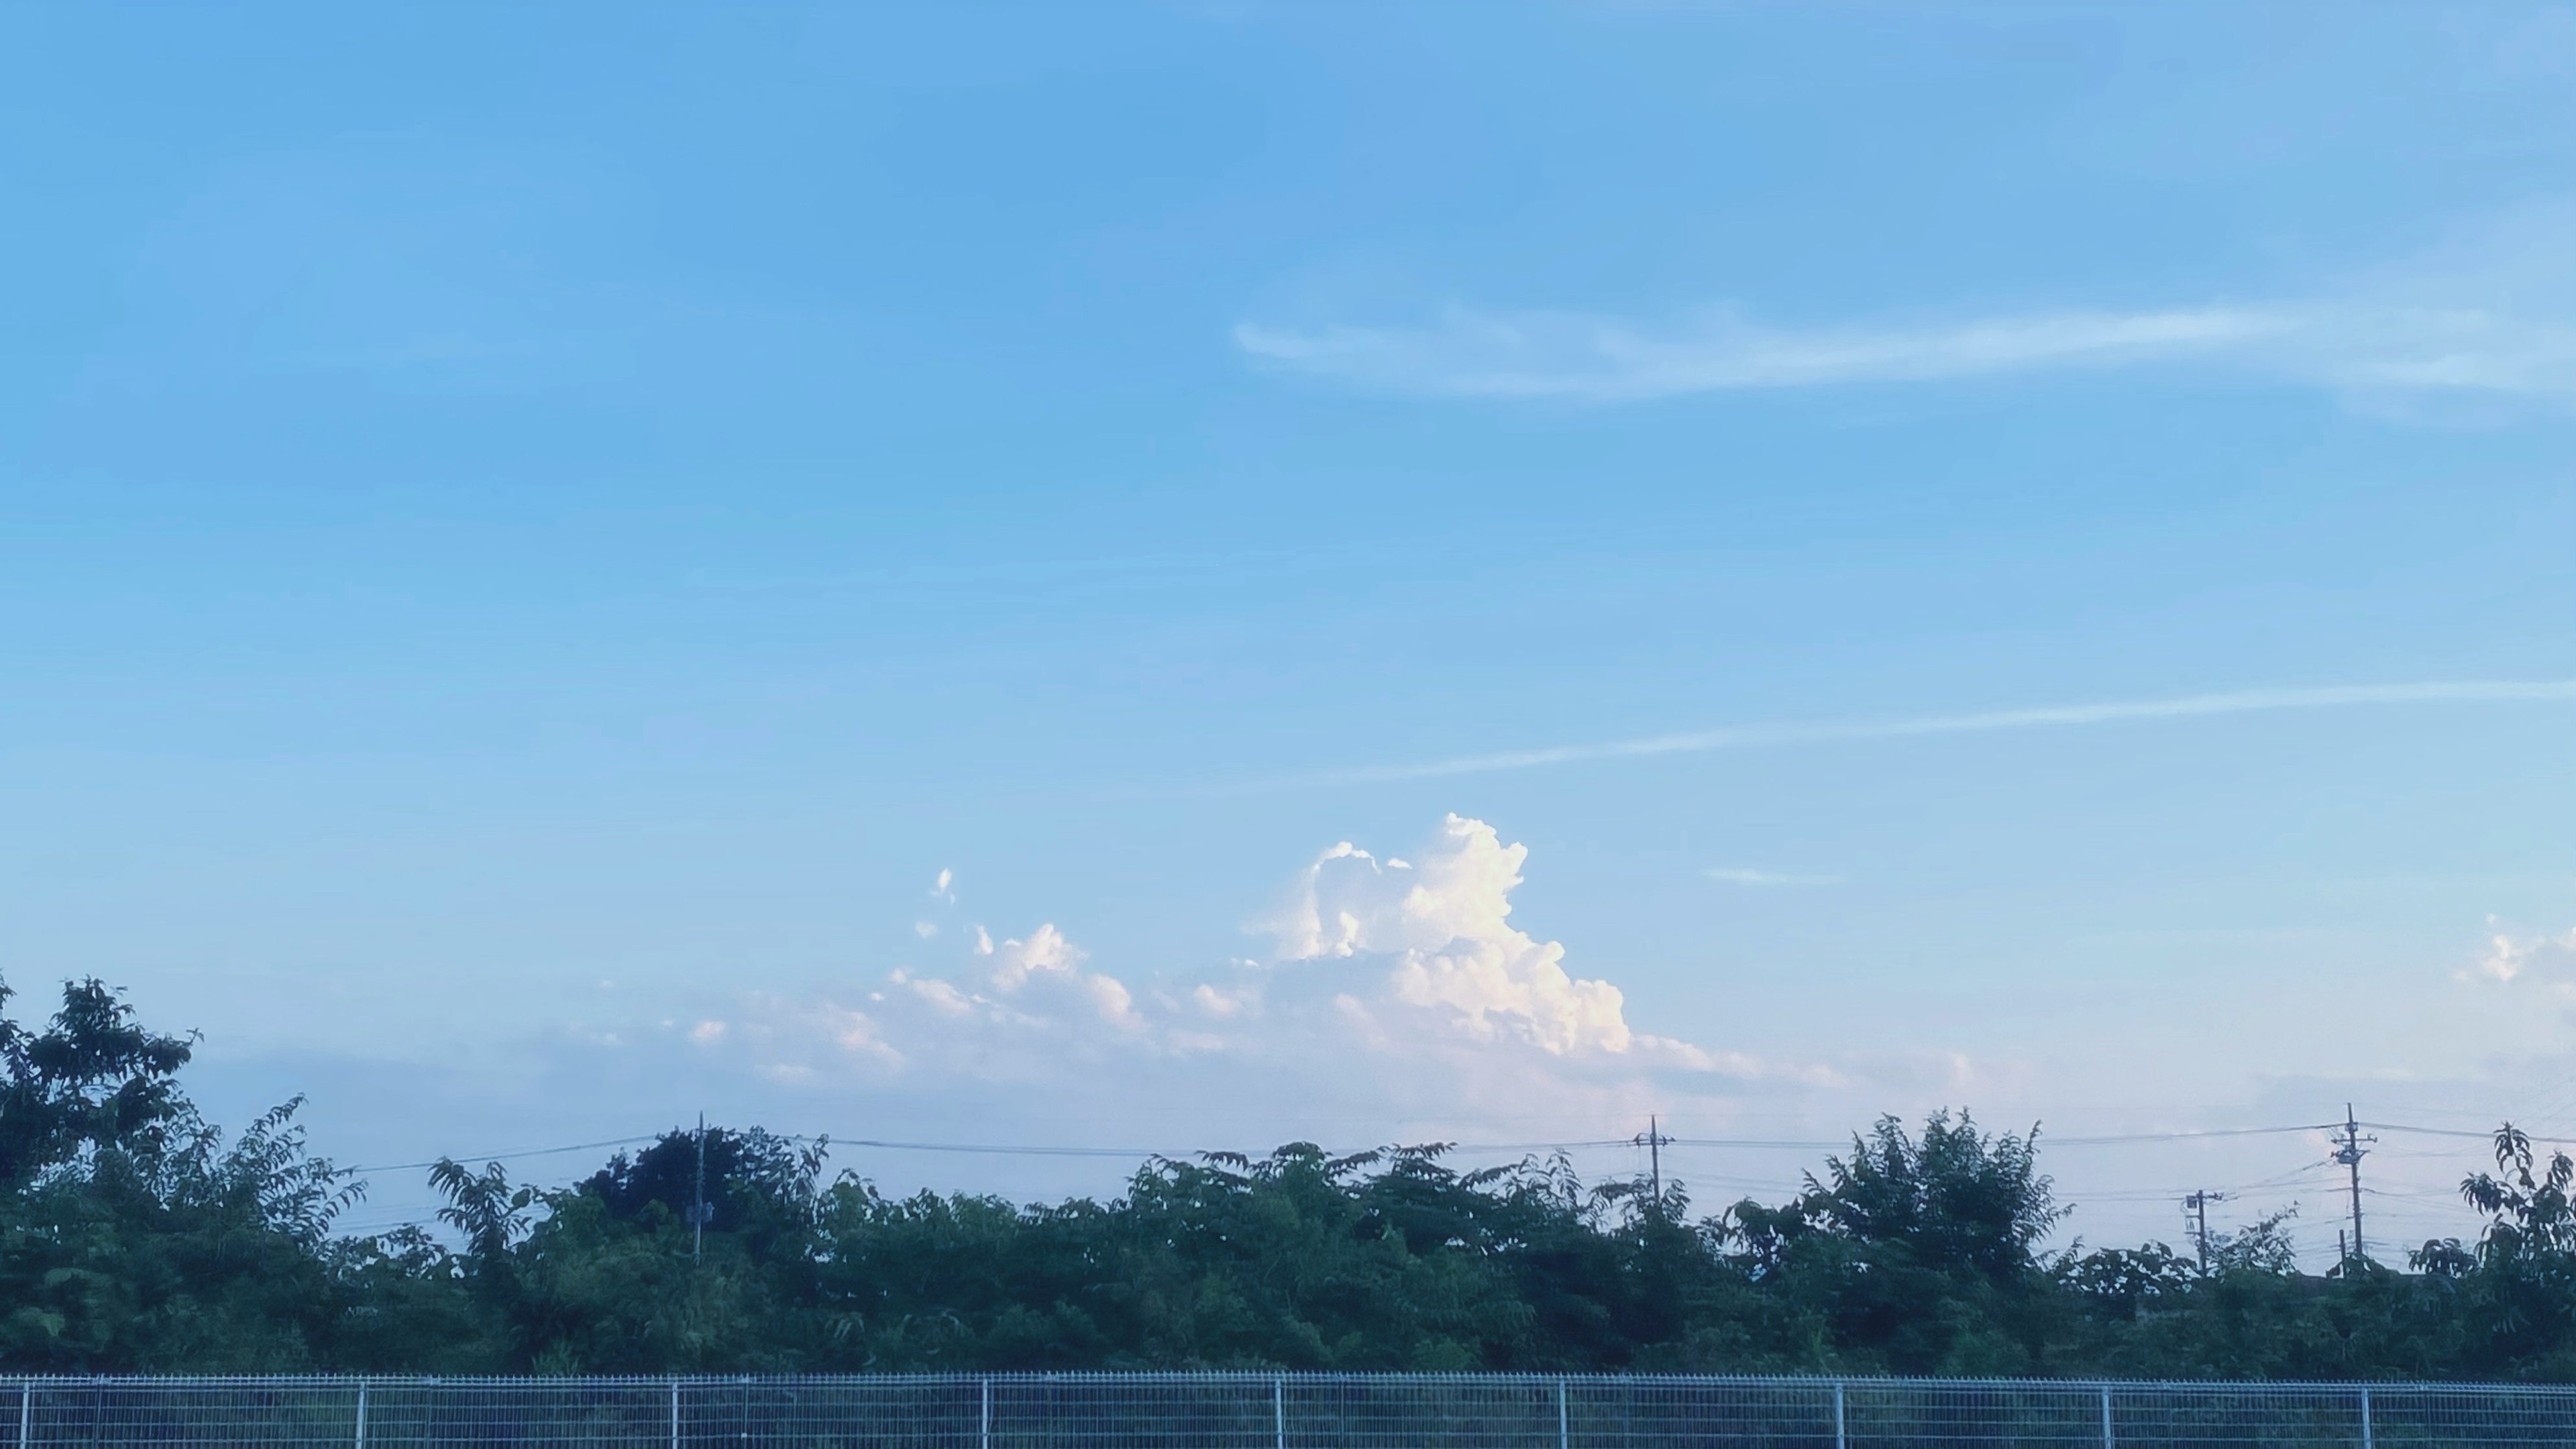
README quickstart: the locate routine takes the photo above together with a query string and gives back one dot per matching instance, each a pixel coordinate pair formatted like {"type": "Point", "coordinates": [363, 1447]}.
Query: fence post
{"type": "Point", "coordinates": [2365, 1416]}
{"type": "Point", "coordinates": [26, 1411]}
{"type": "Point", "coordinates": [984, 1436]}
{"type": "Point", "coordinates": [1563, 1439]}
{"type": "Point", "coordinates": [362, 1414]}
{"type": "Point", "coordinates": [675, 1414]}
{"type": "Point", "coordinates": [2106, 1416]}
{"type": "Point", "coordinates": [1840, 1442]}
{"type": "Point", "coordinates": [1279, 1410]}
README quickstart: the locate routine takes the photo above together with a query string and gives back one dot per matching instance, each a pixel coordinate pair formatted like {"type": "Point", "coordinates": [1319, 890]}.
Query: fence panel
{"type": "Point", "coordinates": [2237, 1416]}
{"type": "Point", "coordinates": [1112, 1411]}
{"type": "Point", "coordinates": [878, 1413]}
{"type": "Point", "coordinates": [177, 1413]}
{"type": "Point", "coordinates": [538, 1413]}
{"type": "Point", "coordinates": [1689, 1413]}
{"type": "Point", "coordinates": [1884, 1413]}
{"type": "Point", "coordinates": [1270, 1411]}
{"type": "Point", "coordinates": [2412, 1416]}
{"type": "Point", "coordinates": [1446, 1411]}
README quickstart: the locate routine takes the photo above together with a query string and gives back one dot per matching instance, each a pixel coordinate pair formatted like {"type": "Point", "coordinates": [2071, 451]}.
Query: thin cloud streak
{"type": "Point", "coordinates": [1581, 357]}
{"type": "Point", "coordinates": [1598, 359]}
{"type": "Point", "coordinates": [2189, 706]}
{"type": "Point", "coordinates": [1765, 879]}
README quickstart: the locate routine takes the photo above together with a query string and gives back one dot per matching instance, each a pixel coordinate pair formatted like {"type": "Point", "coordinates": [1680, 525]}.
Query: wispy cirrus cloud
{"type": "Point", "coordinates": [1545, 354]}
{"type": "Point", "coordinates": [1581, 357]}
{"type": "Point", "coordinates": [2186, 706]}
{"type": "Point", "coordinates": [2486, 311]}
{"type": "Point", "coordinates": [1765, 879]}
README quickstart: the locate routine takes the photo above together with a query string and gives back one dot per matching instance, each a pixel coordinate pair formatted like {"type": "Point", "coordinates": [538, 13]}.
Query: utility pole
{"type": "Point", "coordinates": [698, 1199]}
{"type": "Point", "coordinates": [2197, 1207]}
{"type": "Point", "coordinates": [1653, 1140]}
{"type": "Point", "coordinates": [2349, 1152]}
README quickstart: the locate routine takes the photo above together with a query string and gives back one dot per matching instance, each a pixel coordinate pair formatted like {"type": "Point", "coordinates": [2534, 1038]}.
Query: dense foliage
{"type": "Point", "coordinates": [134, 1237]}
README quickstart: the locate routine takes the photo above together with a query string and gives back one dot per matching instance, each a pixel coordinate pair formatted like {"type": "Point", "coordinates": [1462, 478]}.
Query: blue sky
{"type": "Point", "coordinates": [536, 539]}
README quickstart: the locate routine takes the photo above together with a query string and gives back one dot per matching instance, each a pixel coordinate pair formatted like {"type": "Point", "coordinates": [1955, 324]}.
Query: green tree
{"type": "Point", "coordinates": [132, 1236]}
{"type": "Point", "coordinates": [1917, 1255]}
{"type": "Point", "coordinates": [2516, 1289]}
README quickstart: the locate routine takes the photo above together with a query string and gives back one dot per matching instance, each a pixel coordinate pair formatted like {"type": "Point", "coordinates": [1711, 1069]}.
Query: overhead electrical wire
{"type": "Point", "coordinates": [2122, 1139]}
{"type": "Point", "coordinates": [2416, 1203]}
{"type": "Point", "coordinates": [505, 1156]}
{"type": "Point", "coordinates": [2486, 1136]}
{"type": "Point", "coordinates": [2247, 1193]}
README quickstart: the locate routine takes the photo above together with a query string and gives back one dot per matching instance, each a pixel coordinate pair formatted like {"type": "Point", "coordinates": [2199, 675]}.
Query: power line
{"type": "Point", "coordinates": [2126, 1138]}
{"type": "Point", "coordinates": [2487, 1136]}
{"type": "Point", "coordinates": [2120, 1139]}
{"type": "Point", "coordinates": [1759, 1143]}
{"type": "Point", "coordinates": [1662, 1139]}
{"type": "Point", "coordinates": [2410, 1208]}
{"type": "Point", "coordinates": [989, 1149]}
{"type": "Point", "coordinates": [505, 1156]}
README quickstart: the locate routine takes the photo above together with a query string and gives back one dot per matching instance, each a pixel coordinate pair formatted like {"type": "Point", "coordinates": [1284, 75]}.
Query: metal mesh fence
{"type": "Point", "coordinates": [1266, 1411]}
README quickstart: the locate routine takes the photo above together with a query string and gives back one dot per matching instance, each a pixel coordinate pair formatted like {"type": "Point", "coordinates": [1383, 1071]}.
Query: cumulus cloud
{"type": "Point", "coordinates": [1046, 951]}
{"type": "Point", "coordinates": [1401, 981]}
{"type": "Point", "coordinates": [1026, 978]}
{"type": "Point", "coordinates": [1444, 921]}
{"type": "Point", "coordinates": [1215, 1001]}
{"type": "Point", "coordinates": [2510, 957]}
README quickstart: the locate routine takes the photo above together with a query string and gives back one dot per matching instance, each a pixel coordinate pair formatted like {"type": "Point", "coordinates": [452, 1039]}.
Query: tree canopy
{"type": "Point", "coordinates": [135, 1237]}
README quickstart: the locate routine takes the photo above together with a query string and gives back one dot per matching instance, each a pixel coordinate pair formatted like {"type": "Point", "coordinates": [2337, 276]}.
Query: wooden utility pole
{"type": "Point", "coordinates": [1653, 1140]}
{"type": "Point", "coordinates": [2350, 1152]}
{"type": "Point", "coordinates": [698, 1199]}
{"type": "Point", "coordinates": [2197, 1206]}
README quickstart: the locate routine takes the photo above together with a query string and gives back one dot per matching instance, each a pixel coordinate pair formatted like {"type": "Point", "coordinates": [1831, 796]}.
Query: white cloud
{"type": "Point", "coordinates": [1582, 358]}
{"type": "Point", "coordinates": [2491, 314]}
{"type": "Point", "coordinates": [942, 996]}
{"type": "Point", "coordinates": [1214, 1001]}
{"type": "Point", "coordinates": [1046, 963]}
{"type": "Point", "coordinates": [940, 888]}
{"type": "Point", "coordinates": [1112, 999]}
{"type": "Point", "coordinates": [2542, 957]}
{"type": "Point", "coordinates": [1045, 951]}
{"type": "Point", "coordinates": [2058, 716]}
{"type": "Point", "coordinates": [1400, 988]}
{"type": "Point", "coordinates": [789, 1039]}
{"type": "Point", "coordinates": [925, 929]}
{"type": "Point", "coordinates": [1764, 879]}
{"type": "Point", "coordinates": [1444, 922]}
{"type": "Point", "coordinates": [1588, 358]}
{"type": "Point", "coordinates": [854, 1031]}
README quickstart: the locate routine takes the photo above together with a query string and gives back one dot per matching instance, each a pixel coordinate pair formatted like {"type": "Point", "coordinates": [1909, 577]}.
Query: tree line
{"type": "Point", "coordinates": [137, 1238]}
